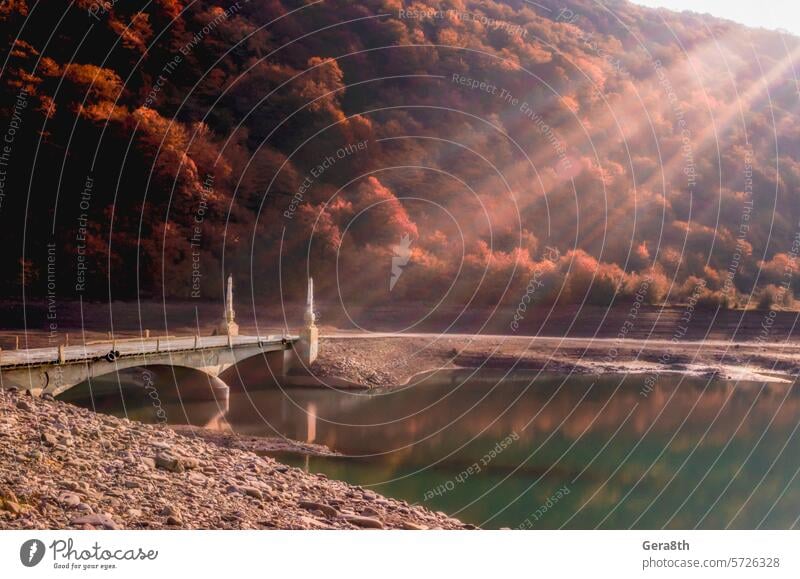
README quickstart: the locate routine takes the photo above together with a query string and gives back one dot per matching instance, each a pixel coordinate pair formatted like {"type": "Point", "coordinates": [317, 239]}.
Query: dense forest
{"type": "Point", "coordinates": [584, 152]}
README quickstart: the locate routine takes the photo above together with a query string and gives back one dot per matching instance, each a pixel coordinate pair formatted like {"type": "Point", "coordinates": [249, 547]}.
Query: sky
{"type": "Point", "coordinates": [772, 14]}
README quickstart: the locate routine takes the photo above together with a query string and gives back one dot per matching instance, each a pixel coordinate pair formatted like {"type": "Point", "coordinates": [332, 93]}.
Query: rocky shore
{"type": "Point", "coordinates": [65, 467]}
{"type": "Point", "coordinates": [382, 361]}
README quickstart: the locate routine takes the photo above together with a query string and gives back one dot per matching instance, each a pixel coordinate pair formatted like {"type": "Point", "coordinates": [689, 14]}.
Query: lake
{"type": "Point", "coordinates": [533, 450]}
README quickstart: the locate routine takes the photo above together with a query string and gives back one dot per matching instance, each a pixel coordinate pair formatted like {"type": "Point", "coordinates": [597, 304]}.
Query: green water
{"type": "Point", "coordinates": [546, 451]}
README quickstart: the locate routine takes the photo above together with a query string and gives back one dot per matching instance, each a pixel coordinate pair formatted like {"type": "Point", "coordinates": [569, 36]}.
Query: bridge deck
{"type": "Point", "coordinates": [132, 347]}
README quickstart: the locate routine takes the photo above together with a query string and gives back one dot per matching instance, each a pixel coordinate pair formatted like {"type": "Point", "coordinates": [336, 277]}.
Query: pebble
{"type": "Point", "coordinates": [369, 512]}
{"type": "Point", "coordinates": [196, 478]}
{"type": "Point", "coordinates": [169, 510]}
{"type": "Point", "coordinates": [49, 439]}
{"type": "Point", "coordinates": [11, 506]}
{"type": "Point", "coordinates": [103, 521]}
{"type": "Point", "coordinates": [313, 506]}
{"type": "Point", "coordinates": [169, 462]}
{"type": "Point", "coordinates": [313, 523]}
{"type": "Point", "coordinates": [253, 492]}
{"type": "Point", "coordinates": [365, 522]}
{"type": "Point", "coordinates": [408, 525]}
{"type": "Point", "coordinates": [69, 499]}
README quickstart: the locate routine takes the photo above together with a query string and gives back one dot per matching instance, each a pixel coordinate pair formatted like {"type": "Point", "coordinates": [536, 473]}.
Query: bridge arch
{"type": "Point", "coordinates": [57, 377]}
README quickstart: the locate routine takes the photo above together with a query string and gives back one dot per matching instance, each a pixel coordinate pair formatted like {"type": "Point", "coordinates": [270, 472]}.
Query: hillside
{"type": "Point", "coordinates": [568, 151]}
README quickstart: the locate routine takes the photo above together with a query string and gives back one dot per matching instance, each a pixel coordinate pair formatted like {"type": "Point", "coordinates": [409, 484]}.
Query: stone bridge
{"type": "Point", "coordinates": [57, 369]}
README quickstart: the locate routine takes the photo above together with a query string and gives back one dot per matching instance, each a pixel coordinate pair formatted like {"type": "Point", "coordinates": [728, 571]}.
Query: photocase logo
{"type": "Point", "coordinates": [32, 552]}
{"type": "Point", "coordinates": [402, 253]}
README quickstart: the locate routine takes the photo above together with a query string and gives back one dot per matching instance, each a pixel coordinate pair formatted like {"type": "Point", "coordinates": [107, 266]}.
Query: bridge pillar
{"type": "Point", "coordinates": [308, 346]}
{"type": "Point", "coordinates": [280, 362]}
{"type": "Point", "coordinates": [227, 326]}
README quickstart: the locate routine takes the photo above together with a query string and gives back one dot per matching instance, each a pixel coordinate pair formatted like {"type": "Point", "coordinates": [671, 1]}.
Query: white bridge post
{"type": "Point", "coordinates": [308, 345]}
{"type": "Point", "coordinates": [227, 326]}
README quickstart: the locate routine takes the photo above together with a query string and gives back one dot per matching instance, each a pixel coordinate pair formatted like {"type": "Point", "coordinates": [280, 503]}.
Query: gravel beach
{"type": "Point", "coordinates": [65, 467]}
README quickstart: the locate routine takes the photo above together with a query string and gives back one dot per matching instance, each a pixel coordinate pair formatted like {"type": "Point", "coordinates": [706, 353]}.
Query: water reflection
{"type": "Point", "coordinates": [156, 394]}
{"type": "Point", "coordinates": [691, 452]}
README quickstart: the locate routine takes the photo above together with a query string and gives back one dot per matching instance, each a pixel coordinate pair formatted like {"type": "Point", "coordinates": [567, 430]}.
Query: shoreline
{"type": "Point", "coordinates": [63, 466]}
{"type": "Point", "coordinates": [260, 445]}
{"type": "Point", "coordinates": [391, 361]}
{"type": "Point", "coordinates": [66, 467]}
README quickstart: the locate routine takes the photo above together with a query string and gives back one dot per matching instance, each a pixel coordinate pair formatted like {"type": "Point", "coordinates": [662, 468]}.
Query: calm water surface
{"type": "Point", "coordinates": [538, 451]}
